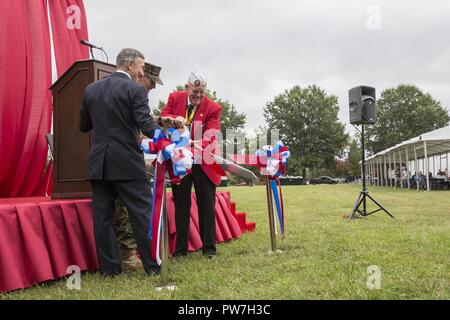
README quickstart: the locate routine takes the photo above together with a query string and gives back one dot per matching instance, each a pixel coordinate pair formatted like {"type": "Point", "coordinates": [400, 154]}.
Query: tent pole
{"type": "Point", "coordinates": [371, 172]}
{"type": "Point", "coordinates": [373, 168]}
{"type": "Point", "coordinates": [380, 176]}
{"type": "Point", "coordinates": [389, 170]}
{"type": "Point", "coordinates": [446, 155]}
{"type": "Point", "coordinates": [434, 166]}
{"type": "Point", "coordinates": [427, 163]}
{"type": "Point", "coordinates": [416, 165]}
{"type": "Point", "coordinates": [381, 172]}
{"type": "Point", "coordinates": [408, 169]}
{"type": "Point", "coordinates": [395, 168]}
{"type": "Point", "coordinates": [401, 164]}
{"type": "Point", "coordinates": [385, 171]}
{"type": "Point", "coordinates": [380, 181]}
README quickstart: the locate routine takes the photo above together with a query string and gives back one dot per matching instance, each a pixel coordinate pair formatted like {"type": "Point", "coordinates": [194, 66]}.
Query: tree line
{"type": "Point", "coordinates": [308, 123]}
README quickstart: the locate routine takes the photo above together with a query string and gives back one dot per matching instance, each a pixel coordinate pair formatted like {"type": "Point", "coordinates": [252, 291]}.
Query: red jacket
{"type": "Point", "coordinates": [208, 116]}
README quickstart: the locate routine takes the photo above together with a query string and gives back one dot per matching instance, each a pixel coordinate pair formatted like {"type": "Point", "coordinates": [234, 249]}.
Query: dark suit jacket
{"type": "Point", "coordinates": [115, 108]}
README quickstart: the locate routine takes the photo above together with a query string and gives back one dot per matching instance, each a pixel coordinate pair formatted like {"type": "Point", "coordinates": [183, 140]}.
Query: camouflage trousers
{"type": "Point", "coordinates": [122, 226]}
{"type": "Point", "coordinates": [123, 229]}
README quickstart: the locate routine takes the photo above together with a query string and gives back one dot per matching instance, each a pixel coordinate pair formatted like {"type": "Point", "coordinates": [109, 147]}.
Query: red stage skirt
{"type": "Point", "coordinates": [41, 238]}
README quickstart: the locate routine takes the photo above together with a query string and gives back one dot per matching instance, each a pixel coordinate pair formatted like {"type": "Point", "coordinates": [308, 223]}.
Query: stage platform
{"type": "Point", "coordinates": [40, 237]}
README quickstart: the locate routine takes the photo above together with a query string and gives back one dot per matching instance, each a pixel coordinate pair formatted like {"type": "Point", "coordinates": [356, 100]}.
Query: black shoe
{"type": "Point", "coordinates": [209, 253]}
{"type": "Point", "coordinates": [180, 254]}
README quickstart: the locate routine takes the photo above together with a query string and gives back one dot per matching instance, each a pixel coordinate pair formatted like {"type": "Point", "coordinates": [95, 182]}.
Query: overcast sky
{"type": "Point", "coordinates": [252, 50]}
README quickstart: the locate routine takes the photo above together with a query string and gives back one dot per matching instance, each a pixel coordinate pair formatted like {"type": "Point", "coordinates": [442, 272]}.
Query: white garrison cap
{"type": "Point", "coordinates": [197, 79]}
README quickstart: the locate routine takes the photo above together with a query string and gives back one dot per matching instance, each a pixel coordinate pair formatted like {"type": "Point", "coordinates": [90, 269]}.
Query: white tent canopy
{"type": "Point", "coordinates": [428, 146]}
{"type": "Point", "coordinates": [437, 142]}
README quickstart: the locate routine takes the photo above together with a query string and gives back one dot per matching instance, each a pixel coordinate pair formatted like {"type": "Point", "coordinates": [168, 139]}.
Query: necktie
{"type": "Point", "coordinates": [190, 108]}
{"type": "Point", "coordinates": [189, 114]}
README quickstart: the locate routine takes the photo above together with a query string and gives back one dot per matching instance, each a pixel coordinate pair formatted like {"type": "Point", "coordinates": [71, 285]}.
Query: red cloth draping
{"type": "Point", "coordinates": [40, 238]}
{"type": "Point", "coordinates": [25, 78]}
{"type": "Point", "coordinates": [69, 26]}
{"type": "Point", "coordinates": [25, 101]}
{"type": "Point", "coordinates": [38, 241]}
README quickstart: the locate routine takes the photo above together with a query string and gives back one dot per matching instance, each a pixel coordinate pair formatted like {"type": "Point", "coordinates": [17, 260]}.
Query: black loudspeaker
{"type": "Point", "coordinates": [362, 105]}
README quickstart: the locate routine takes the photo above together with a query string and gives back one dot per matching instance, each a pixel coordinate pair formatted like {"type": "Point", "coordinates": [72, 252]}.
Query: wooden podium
{"type": "Point", "coordinates": [70, 145]}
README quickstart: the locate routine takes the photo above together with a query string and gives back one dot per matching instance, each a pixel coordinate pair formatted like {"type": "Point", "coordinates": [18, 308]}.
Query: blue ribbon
{"type": "Point", "coordinates": [180, 140]}
{"type": "Point", "coordinates": [269, 152]}
{"type": "Point", "coordinates": [273, 185]}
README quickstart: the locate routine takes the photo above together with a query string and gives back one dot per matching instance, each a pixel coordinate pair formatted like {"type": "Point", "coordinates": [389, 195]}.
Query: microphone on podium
{"type": "Point", "coordinates": [86, 43]}
{"type": "Point", "coordinates": [90, 45]}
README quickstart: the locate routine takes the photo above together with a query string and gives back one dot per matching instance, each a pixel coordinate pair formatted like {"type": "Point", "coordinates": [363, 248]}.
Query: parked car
{"type": "Point", "coordinates": [341, 180]}
{"type": "Point", "coordinates": [323, 180]}
{"type": "Point", "coordinates": [350, 179]}
{"type": "Point", "coordinates": [292, 180]}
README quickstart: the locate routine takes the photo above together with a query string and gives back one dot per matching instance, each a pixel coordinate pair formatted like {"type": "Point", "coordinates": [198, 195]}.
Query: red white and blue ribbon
{"type": "Point", "coordinates": [175, 158]}
{"type": "Point", "coordinates": [272, 162]}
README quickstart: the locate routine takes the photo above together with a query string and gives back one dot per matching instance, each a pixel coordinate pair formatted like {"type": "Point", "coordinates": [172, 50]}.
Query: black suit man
{"type": "Point", "coordinates": [115, 109]}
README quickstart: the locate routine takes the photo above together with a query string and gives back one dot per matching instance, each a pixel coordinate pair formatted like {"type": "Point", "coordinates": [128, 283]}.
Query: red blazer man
{"type": "Point", "coordinates": [206, 119]}
{"type": "Point", "coordinates": [203, 115]}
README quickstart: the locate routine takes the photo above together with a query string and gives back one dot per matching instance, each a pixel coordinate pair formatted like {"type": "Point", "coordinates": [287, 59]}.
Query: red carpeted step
{"type": "Point", "coordinates": [242, 221]}
{"type": "Point", "coordinates": [233, 207]}
{"type": "Point", "coordinates": [251, 226]}
{"type": "Point", "coordinates": [245, 226]}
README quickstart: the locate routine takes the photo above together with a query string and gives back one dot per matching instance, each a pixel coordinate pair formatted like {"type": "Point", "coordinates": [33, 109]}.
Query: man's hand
{"type": "Point", "coordinates": [179, 122]}
{"type": "Point", "coordinates": [168, 122]}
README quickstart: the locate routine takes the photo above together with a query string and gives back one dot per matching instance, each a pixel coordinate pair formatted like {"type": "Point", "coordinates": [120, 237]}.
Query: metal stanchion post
{"type": "Point", "coordinates": [271, 216]}
{"type": "Point", "coordinates": [164, 247]}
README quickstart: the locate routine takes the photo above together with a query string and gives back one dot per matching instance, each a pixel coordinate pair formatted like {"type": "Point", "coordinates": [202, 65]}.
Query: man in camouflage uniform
{"type": "Point", "coordinates": [121, 222]}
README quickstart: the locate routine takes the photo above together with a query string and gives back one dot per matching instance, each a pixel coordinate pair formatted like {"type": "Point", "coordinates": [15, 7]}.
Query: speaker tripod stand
{"type": "Point", "coordinates": [364, 194]}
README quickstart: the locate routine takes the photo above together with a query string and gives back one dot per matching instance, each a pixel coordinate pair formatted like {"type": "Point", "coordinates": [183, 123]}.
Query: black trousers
{"type": "Point", "coordinates": [205, 192]}
{"type": "Point", "coordinates": [137, 197]}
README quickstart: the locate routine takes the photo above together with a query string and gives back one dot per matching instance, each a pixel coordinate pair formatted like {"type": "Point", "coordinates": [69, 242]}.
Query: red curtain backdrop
{"type": "Point", "coordinates": [25, 101]}
{"type": "Point", "coordinates": [25, 77]}
{"type": "Point", "coordinates": [69, 26]}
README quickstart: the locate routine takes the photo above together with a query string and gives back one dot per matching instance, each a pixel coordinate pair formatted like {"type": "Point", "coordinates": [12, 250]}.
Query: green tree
{"type": "Point", "coordinates": [341, 168]}
{"type": "Point", "coordinates": [308, 123]}
{"type": "Point", "coordinates": [230, 117]}
{"type": "Point", "coordinates": [404, 112]}
{"type": "Point", "coordinates": [354, 157]}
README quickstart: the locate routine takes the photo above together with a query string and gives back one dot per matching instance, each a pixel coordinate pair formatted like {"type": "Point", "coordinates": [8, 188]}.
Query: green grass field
{"type": "Point", "coordinates": [325, 256]}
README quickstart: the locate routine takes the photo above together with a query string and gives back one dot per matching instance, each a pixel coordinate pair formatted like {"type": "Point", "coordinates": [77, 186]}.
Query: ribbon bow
{"type": "Point", "coordinates": [173, 158]}
{"type": "Point", "coordinates": [171, 152]}
{"type": "Point", "coordinates": [271, 161]}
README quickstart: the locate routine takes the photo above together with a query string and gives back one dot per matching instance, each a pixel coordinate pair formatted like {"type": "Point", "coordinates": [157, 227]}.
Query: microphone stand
{"type": "Point", "coordinates": [91, 47]}
{"type": "Point", "coordinates": [107, 59]}
{"type": "Point", "coordinates": [92, 52]}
